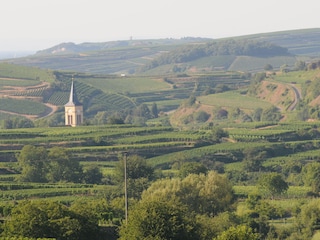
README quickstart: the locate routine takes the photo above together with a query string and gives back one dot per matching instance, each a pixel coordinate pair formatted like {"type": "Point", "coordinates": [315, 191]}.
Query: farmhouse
{"type": "Point", "coordinates": [73, 109]}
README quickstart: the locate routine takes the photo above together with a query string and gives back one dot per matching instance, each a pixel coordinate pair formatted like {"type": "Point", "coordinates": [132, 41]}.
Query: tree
{"type": "Point", "coordinates": [273, 183]}
{"type": "Point", "coordinates": [159, 220]}
{"type": "Point", "coordinates": [241, 232]}
{"type": "Point", "coordinates": [62, 167]}
{"type": "Point", "coordinates": [48, 219]}
{"type": "Point", "coordinates": [257, 114]}
{"type": "Point", "coordinates": [221, 114]}
{"type": "Point", "coordinates": [137, 167]}
{"type": "Point", "coordinates": [139, 174]}
{"type": "Point", "coordinates": [204, 193]}
{"type": "Point", "coordinates": [17, 122]}
{"type": "Point", "coordinates": [284, 68]}
{"type": "Point", "coordinates": [271, 114]}
{"type": "Point", "coordinates": [92, 174]}
{"type": "Point", "coordinates": [142, 111]}
{"type": "Point", "coordinates": [309, 219]}
{"type": "Point", "coordinates": [253, 158]}
{"type": "Point", "coordinates": [191, 100]}
{"type": "Point", "coordinates": [101, 118]}
{"type": "Point", "coordinates": [115, 120]}
{"type": "Point", "coordinates": [192, 168]}
{"type": "Point", "coordinates": [154, 110]}
{"type": "Point", "coordinates": [34, 163]}
{"type": "Point", "coordinates": [311, 176]}
{"type": "Point", "coordinates": [201, 116]}
{"type": "Point", "coordinates": [268, 67]}
{"type": "Point", "coordinates": [300, 65]}
{"type": "Point", "coordinates": [218, 133]}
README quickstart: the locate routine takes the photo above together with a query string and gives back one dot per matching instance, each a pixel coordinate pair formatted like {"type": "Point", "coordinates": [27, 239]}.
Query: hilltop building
{"type": "Point", "coordinates": [73, 109]}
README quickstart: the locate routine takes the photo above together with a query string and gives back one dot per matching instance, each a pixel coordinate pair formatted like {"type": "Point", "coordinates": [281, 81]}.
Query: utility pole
{"type": "Point", "coordinates": [125, 154]}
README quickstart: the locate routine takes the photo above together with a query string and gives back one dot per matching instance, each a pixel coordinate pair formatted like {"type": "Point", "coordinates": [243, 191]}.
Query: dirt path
{"type": "Point", "coordinates": [296, 98]}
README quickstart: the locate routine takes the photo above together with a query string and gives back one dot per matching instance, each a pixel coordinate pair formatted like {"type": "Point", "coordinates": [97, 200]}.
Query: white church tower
{"type": "Point", "coordinates": [73, 109]}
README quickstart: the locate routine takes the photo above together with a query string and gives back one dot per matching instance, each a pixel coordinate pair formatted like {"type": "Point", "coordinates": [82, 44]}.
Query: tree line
{"type": "Point", "coordinates": [37, 164]}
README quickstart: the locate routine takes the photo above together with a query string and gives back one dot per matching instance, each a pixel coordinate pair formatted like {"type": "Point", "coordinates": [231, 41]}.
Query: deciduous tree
{"type": "Point", "coordinates": [156, 219]}
{"type": "Point", "coordinates": [62, 167]}
{"type": "Point", "coordinates": [273, 183]}
{"type": "Point", "coordinates": [48, 219]}
{"type": "Point", "coordinates": [34, 163]}
{"type": "Point", "coordinates": [208, 193]}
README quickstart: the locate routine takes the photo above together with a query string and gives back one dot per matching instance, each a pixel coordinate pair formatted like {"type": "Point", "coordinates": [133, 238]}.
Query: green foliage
{"type": "Point", "coordinates": [47, 219]}
{"type": "Point", "coordinates": [62, 167]}
{"type": "Point", "coordinates": [201, 116]}
{"type": "Point", "coordinates": [268, 67]}
{"type": "Point", "coordinates": [39, 165]}
{"type": "Point", "coordinates": [203, 194]}
{"type": "Point", "coordinates": [311, 176]}
{"type": "Point", "coordinates": [139, 174]}
{"type": "Point", "coordinates": [253, 158]}
{"type": "Point", "coordinates": [34, 163]}
{"type": "Point", "coordinates": [191, 101]}
{"type": "Point", "coordinates": [137, 167]}
{"type": "Point", "coordinates": [271, 114]}
{"type": "Point", "coordinates": [191, 168]}
{"type": "Point", "coordinates": [154, 219]}
{"type": "Point", "coordinates": [218, 48]}
{"type": "Point", "coordinates": [217, 133]}
{"type": "Point", "coordinates": [92, 174]}
{"type": "Point", "coordinates": [17, 122]}
{"type": "Point", "coordinates": [273, 183]}
{"type": "Point", "coordinates": [240, 232]}
{"type": "Point", "coordinates": [309, 219]}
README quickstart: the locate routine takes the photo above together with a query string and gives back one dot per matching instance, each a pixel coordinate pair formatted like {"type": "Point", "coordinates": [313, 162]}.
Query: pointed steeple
{"type": "Point", "coordinates": [73, 99]}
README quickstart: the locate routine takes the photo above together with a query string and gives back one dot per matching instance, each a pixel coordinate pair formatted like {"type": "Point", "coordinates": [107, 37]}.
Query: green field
{"type": "Point", "coordinates": [28, 73]}
{"type": "Point", "coordinates": [232, 99]}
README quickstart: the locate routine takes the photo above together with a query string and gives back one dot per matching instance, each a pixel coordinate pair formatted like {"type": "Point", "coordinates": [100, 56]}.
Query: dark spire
{"type": "Point", "coordinates": [73, 100]}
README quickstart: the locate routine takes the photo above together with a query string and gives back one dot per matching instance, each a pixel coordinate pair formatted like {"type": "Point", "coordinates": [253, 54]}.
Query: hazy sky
{"type": "Point", "coordinates": [40, 24]}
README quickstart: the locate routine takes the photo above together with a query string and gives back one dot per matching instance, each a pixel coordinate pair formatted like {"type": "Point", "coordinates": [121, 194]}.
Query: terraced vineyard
{"type": "Point", "coordinates": [161, 146]}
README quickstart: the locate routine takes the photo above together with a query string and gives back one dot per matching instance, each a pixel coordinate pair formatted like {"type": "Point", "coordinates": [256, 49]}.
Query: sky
{"type": "Point", "coordinates": [32, 25]}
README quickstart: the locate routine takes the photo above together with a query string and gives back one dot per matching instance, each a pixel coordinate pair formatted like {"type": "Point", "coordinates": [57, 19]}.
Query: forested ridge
{"type": "Point", "coordinates": [192, 52]}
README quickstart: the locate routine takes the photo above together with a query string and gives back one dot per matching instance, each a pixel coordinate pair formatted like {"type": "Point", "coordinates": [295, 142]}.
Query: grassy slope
{"type": "Point", "coordinates": [26, 73]}
{"type": "Point", "coordinates": [233, 99]}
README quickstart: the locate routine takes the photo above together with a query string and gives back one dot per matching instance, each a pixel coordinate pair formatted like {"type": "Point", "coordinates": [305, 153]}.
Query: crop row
{"type": "Point", "coordinates": [42, 193]}
{"type": "Point", "coordinates": [7, 186]}
{"type": "Point", "coordinates": [162, 137]}
{"type": "Point", "coordinates": [37, 92]}
{"type": "Point", "coordinates": [58, 98]}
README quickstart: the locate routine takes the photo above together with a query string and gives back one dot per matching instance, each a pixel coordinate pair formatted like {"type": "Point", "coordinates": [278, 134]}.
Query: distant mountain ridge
{"type": "Point", "coordinates": [130, 56]}
{"type": "Point", "coordinates": [71, 47]}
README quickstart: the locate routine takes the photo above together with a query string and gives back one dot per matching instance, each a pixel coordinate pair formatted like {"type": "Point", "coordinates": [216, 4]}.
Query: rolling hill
{"type": "Point", "coordinates": [130, 56]}
{"type": "Point", "coordinates": [166, 72]}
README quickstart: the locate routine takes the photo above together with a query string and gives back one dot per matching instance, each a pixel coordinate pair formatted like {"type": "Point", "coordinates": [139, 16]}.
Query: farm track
{"type": "Point", "coordinates": [11, 91]}
{"type": "Point", "coordinates": [296, 98]}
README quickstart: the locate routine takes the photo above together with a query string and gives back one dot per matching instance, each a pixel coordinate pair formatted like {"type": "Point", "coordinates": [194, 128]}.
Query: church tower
{"type": "Point", "coordinates": [73, 109]}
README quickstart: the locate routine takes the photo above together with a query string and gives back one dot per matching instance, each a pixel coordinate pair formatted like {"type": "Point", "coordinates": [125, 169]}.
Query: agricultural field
{"type": "Point", "coordinates": [245, 63]}
{"type": "Point", "coordinates": [127, 84]}
{"type": "Point", "coordinates": [233, 99]}
{"type": "Point", "coordinates": [285, 146]}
